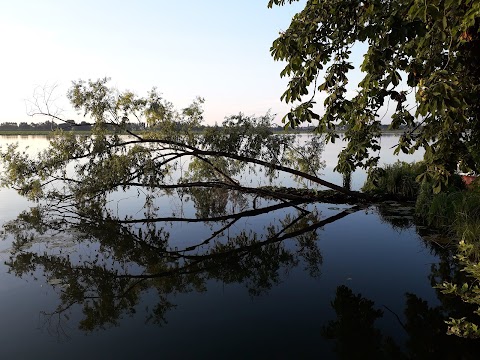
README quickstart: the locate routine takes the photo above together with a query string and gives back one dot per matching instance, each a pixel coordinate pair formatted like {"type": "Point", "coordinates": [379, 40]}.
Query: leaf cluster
{"type": "Point", "coordinates": [421, 56]}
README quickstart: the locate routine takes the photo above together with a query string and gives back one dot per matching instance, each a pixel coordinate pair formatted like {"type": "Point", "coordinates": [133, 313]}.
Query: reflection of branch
{"type": "Point", "coordinates": [56, 328]}
{"type": "Point", "coordinates": [240, 215]}
{"type": "Point", "coordinates": [66, 212]}
{"type": "Point", "coordinates": [178, 270]}
{"type": "Point", "coordinates": [275, 238]}
{"type": "Point", "coordinates": [295, 233]}
{"type": "Point", "coordinates": [213, 236]}
{"type": "Point", "coordinates": [398, 318]}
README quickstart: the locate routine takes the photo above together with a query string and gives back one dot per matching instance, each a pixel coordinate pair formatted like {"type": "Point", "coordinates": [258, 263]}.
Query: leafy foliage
{"type": "Point", "coordinates": [469, 291]}
{"type": "Point", "coordinates": [430, 48]}
{"type": "Point", "coordinates": [114, 158]}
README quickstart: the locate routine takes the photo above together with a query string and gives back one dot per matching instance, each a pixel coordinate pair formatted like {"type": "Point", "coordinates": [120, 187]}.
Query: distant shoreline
{"type": "Point", "coordinates": [38, 132]}
{"type": "Point", "coordinates": [88, 132]}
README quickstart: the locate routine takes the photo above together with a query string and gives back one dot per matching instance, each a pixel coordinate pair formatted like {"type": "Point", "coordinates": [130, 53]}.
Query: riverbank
{"type": "Point", "coordinates": [454, 212]}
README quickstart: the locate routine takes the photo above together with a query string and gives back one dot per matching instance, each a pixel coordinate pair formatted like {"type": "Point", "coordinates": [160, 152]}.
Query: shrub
{"type": "Point", "coordinates": [456, 211]}
{"type": "Point", "coordinates": [397, 180]}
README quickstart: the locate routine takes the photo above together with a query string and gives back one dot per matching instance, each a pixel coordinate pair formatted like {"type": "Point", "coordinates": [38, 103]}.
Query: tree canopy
{"type": "Point", "coordinates": [421, 58]}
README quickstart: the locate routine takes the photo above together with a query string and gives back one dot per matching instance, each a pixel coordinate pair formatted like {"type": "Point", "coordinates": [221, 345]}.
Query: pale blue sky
{"type": "Point", "coordinates": [217, 49]}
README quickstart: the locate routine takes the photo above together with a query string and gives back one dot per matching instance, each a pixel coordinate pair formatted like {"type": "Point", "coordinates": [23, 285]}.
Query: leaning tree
{"type": "Point", "coordinates": [111, 191]}
{"type": "Point", "coordinates": [172, 153]}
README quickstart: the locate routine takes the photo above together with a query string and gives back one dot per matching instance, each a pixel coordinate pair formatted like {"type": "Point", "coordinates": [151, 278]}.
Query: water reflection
{"type": "Point", "coordinates": [143, 260]}
{"type": "Point", "coordinates": [105, 268]}
{"type": "Point", "coordinates": [354, 331]}
{"type": "Point", "coordinates": [105, 264]}
{"type": "Point", "coordinates": [356, 335]}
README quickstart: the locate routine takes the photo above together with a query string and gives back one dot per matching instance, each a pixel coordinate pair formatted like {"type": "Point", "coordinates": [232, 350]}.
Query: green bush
{"type": "Point", "coordinates": [397, 180]}
{"type": "Point", "coordinates": [456, 211]}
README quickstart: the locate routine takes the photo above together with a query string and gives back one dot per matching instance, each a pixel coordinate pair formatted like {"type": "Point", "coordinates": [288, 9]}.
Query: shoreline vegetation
{"type": "Point", "coordinates": [453, 212]}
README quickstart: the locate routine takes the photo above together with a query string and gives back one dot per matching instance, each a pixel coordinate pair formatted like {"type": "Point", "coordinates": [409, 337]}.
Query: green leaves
{"type": "Point", "coordinates": [433, 45]}
{"type": "Point", "coordinates": [468, 292]}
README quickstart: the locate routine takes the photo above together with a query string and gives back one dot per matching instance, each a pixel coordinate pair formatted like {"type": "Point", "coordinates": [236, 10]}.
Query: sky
{"type": "Point", "coordinates": [216, 49]}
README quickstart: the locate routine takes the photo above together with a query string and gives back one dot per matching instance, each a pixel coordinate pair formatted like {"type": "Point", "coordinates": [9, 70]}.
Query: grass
{"type": "Point", "coordinates": [397, 180]}
{"type": "Point", "coordinates": [456, 211]}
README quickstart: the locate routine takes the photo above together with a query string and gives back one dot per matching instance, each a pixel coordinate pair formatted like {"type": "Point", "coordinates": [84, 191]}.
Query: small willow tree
{"type": "Point", "coordinates": [88, 168]}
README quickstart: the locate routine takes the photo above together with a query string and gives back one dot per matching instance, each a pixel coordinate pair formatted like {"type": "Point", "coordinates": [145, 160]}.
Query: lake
{"type": "Point", "coordinates": [296, 281]}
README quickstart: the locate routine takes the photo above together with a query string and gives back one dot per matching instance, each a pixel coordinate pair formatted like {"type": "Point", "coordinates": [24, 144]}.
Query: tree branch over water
{"type": "Point", "coordinates": [113, 195]}
{"type": "Point", "coordinates": [114, 158]}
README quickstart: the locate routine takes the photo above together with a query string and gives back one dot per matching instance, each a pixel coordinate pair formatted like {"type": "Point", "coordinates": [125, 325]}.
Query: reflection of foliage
{"type": "Point", "coordinates": [356, 336]}
{"type": "Point", "coordinates": [247, 262]}
{"type": "Point", "coordinates": [213, 202]}
{"type": "Point", "coordinates": [112, 261]}
{"type": "Point", "coordinates": [427, 333]}
{"type": "Point", "coordinates": [306, 241]}
{"type": "Point", "coordinates": [354, 330]}
{"type": "Point", "coordinates": [457, 213]}
{"type": "Point", "coordinates": [397, 215]}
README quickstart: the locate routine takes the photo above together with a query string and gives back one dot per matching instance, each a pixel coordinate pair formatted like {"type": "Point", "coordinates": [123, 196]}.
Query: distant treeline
{"type": "Point", "coordinates": [85, 126]}
{"type": "Point", "coordinates": [51, 125]}
{"type": "Point", "coordinates": [43, 126]}
{"type": "Point", "coordinates": [81, 126]}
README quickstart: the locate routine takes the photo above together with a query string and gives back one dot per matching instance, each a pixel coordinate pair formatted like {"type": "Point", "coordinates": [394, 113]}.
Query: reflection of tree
{"type": "Point", "coordinates": [115, 261]}
{"type": "Point", "coordinates": [354, 329]}
{"type": "Point", "coordinates": [213, 202]}
{"type": "Point", "coordinates": [427, 332]}
{"type": "Point", "coordinates": [426, 326]}
{"type": "Point", "coordinates": [400, 216]}
{"type": "Point", "coordinates": [356, 336]}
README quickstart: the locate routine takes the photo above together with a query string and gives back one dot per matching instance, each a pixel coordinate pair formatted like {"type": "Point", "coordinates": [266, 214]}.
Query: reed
{"type": "Point", "coordinates": [397, 180]}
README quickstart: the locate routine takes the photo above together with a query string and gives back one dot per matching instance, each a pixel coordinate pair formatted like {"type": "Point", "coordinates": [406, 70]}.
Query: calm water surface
{"type": "Point", "coordinates": [358, 287]}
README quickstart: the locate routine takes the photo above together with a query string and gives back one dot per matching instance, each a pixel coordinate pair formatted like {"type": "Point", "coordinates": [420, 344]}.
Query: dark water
{"type": "Point", "coordinates": [291, 281]}
{"type": "Point", "coordinates": [357, 287]}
